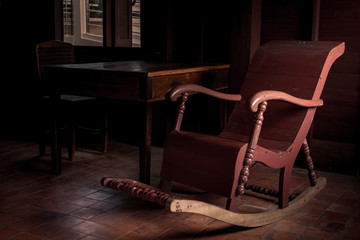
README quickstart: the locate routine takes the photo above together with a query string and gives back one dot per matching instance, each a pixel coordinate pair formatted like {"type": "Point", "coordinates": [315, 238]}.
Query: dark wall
{"type": "Point", "coordinates": [336, 128]}
{"type": "Point", "coordinates": [22, 26]}
{"type": "Point", "coordinates": [286, 20]}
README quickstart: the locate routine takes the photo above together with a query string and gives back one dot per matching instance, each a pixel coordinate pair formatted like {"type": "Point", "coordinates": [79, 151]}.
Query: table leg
{"type": "Point", "coordinates": [145, 145]}
{"type": "Point", "coordinates": [55, 135]}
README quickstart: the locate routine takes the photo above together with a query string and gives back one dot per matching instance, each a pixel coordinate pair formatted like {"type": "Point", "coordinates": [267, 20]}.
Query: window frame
{"type": "Point", "coordinates": [80, 36]}
{"type": "Point", "coordinates": [85, 24]}
{"type": "Point", "coordinates": [117, 24]}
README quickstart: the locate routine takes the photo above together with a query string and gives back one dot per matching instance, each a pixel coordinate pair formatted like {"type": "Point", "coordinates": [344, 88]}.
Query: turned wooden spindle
{"type": "Point", "coordinates": [266, 191]}
{"type": "Point", "coordinates": [309, 163]}
{"type": "Point", "coordinates": [181, 110]}
{"type": "Point", "coordinates": [245, 171]}
{"type": "Point", "coordinates": [136, 189]}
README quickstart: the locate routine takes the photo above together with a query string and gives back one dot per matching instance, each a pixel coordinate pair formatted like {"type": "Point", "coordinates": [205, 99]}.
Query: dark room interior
{"type": "Point", "coordinates": [41, 200]}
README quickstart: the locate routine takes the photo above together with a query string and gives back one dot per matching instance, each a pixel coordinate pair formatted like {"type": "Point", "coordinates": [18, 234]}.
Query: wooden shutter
{"type": "Point", "coordinates": [117, 23]}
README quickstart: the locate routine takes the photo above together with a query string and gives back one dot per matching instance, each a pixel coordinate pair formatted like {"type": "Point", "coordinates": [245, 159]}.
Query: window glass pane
{"type": "Point", "coordinates": [68, 17]}
{"type": "Point", "coordinates": [94, 17]}
{"type": "Point", "coordinates": [136, 23]}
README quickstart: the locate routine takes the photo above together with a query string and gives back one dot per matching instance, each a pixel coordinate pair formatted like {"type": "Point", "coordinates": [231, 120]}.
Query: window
{"type": "Point", "coordinates": [94, 17]}
{"type": "Point", "coordinates": [68, 20]}
{"type": "Point", "coordinates": [83, 22]}
{"type": "Point", "coordinates": [136, 42]}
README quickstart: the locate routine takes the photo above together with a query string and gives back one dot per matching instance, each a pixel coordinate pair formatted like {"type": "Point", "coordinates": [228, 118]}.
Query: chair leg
{"type": "Point", "coordinates": [284, 186]}
{"type": "Point", "coordinates": [105, 131]}
{"type": "Point", "coordinates": [42, 142]}
{"type": "Point", "coordinates": [42, 147]}
{"type": "Point", "coordinates": [72, 142]}
{"type": "Point", "coordinates": [309, 163]}
{"type": "Point", "coordinates": [42, 133]}
{"type": "Point", "coordinates": [232, 204]}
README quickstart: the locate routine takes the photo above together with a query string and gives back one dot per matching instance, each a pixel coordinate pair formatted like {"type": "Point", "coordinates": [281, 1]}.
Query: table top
{"type": "Point", "coordinates": [150, 69]}
{"type": "Point", "coordinates": [132, 80]}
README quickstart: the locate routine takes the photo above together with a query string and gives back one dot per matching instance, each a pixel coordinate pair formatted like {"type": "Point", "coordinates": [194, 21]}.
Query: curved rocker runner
{"type": "Point", "coordinates": [173, 204]}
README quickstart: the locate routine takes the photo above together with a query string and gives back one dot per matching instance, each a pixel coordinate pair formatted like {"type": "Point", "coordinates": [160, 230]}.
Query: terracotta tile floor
{"type": "Point", "coordinates": [35, 204]}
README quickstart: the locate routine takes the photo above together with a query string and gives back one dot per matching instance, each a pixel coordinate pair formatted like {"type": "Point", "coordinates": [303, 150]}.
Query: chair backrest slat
{"type": "Point", "coordinates": [297, 68]}
{"type": "Point", "coordinates": [53, 52]}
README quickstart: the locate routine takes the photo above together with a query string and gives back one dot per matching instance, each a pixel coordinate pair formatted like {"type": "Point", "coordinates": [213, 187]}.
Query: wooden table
{"type": "Point", "coordinates": [140, 81]}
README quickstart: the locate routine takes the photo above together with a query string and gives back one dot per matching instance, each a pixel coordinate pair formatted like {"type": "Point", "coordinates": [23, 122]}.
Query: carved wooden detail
{"type": "Point", "coordinates": [181, 111]}
{"type": "Point", "coordinates": [309, 163]}
{"type": "Point", "coordinates": [245, 172]}
{"type": "Point", "coordinates": [266, 191]}
{"type": "Point", "coordinates": [136, 189]}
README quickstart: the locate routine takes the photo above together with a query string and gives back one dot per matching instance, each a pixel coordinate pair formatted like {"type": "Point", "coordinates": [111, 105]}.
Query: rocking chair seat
{"type": "Point", "coordinates": [208, 148]}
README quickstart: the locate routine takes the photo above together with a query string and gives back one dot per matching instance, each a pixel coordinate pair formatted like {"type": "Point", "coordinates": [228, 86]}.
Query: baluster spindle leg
{"type": "Point", "coordinates": [309, 163]}
{"type": "Point", "coordinates": [245, 172]}
{"type": "Point", "coordinates": [181, 110]}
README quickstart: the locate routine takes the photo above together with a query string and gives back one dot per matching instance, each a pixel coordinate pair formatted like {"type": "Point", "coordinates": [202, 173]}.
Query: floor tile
{"type": "Point", "coordinates": [68, 235]}
{"type": "Point", "coordinates": [27, 236]}
{"type": "Point", "coordinates": [6, 233]}
{"type": "Point", "coordinates": [47, 230]}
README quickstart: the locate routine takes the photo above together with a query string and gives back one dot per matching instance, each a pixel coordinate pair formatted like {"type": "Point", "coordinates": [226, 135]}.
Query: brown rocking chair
{"type": "Point", "coordinates": [283, 87]}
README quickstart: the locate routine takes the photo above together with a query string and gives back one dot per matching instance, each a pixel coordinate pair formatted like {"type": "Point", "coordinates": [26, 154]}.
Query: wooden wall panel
{"type": "Point", "coordinates": [336, 125]}
{"type": "Point", "coordinates": [286, 20]}
{"type": "Point", "coordinates": [154, 23]}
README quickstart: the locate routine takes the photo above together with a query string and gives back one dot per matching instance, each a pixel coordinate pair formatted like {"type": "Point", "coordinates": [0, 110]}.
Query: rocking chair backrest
{"type": "Point", "coordinates": [296, 68]}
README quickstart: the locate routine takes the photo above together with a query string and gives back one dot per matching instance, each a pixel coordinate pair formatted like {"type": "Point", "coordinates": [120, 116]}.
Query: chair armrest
{"type": "Point", "coordinates": [262, 96]}
{"type": "Point", "coordinates": [184, 90]}
{"type": "Point", "coordinates": [187, 88]}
